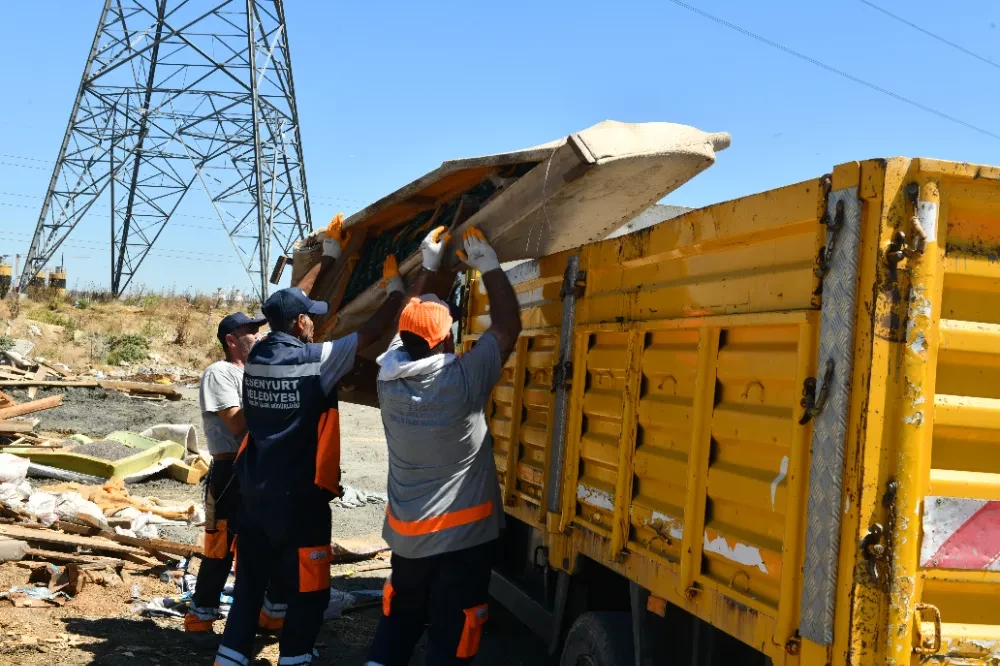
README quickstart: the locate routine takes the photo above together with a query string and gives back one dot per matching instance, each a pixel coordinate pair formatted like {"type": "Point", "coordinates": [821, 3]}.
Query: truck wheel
{"type": "Point", "coordinates": [599, 639]}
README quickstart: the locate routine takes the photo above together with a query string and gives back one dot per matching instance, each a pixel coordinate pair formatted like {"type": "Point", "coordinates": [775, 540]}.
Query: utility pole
{"type": "Point", "coordinates": [179, 95]}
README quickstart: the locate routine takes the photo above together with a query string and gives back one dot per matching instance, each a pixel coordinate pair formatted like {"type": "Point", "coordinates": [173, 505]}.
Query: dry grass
{"type": "Point", "coordinates": [77, 328]}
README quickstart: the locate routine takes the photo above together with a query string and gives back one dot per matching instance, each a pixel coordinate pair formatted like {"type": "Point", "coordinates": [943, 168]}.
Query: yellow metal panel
{"type": "Point", "coordinates": [515, 418]}
{"type": "Point", "coordinates": [686, 467]}
{"type": "Point", "coordinates": [965, 458]}
{"type": "Point", "coordinates": [794, 495]}
{"type": "Point", "coordinates": [918, 366]}
{"type": "Point", "coordinates": [701, 449]}
{"type": "Point", "coordinates": [967, 360]}
{"type": "Point", "coordinates": [626, 449]}
{"type": "Point", "coordinates": [754, 255]}
{"type": "Point", "coordinates": [670, 369]}
{"type": "Point", "coordinates": [846, 175]}
{"type": "Point", "coordinates": [975, 485]}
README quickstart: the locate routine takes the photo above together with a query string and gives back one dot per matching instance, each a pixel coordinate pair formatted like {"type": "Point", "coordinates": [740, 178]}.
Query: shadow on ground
{"type": "Point", "coordinates": [345, 640]}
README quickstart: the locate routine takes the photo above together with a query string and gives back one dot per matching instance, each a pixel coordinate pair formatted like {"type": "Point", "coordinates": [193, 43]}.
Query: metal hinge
{"type": "Point", "coordinates": [812, 401]}
{"type": "Point", "coordinates": [562, 375]}
{"type": "Point", "coordinates": [876, 553]}
{"type": "Point", "coordinates": [833, 227]}
{"type": "Point", "coordinates": [901, 247]}
{"type": "Point", "coordinates": [575, 289]}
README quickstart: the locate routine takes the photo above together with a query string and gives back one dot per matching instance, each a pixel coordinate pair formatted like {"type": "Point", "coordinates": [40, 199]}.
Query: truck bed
{"type": "Point", "coordinates": [780, 414]}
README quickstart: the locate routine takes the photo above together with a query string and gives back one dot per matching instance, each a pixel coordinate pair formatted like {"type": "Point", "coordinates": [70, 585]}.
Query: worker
{"type": "Point", "coordinates": [221, 399]}
{"type": "Point", "coordinates": [445, 512]}
{"type": "Point", "coordinates": [289, 468]}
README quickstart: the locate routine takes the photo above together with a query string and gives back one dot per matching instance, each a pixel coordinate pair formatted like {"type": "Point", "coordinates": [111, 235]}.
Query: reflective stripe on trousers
{"type": "Point", "coordinates": [229, 657]}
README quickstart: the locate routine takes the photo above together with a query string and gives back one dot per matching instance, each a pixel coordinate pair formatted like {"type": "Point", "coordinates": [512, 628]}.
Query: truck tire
{"type": "Point", "coordinates": [599, 639]}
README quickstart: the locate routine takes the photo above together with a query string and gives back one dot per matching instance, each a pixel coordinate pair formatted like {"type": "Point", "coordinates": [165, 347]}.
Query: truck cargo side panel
{"type": "Point", "coordinates": [959, 559]}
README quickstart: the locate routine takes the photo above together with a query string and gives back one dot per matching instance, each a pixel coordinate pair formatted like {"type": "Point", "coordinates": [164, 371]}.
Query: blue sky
{"type": "Point", "coordinates": [387, 91]}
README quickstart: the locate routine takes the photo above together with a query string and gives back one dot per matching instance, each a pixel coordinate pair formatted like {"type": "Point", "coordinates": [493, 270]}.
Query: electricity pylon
{"type": "Point", "coordinates": [182, 94]}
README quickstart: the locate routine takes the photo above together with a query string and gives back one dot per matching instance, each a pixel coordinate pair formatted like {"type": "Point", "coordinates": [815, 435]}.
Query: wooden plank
{"type": "Point", "coordinates": [56, 371]}
{"type": "Point", "coordinates": [360, 548]}
{"type": "Point", "coordinates": [30, 407]}
{"type": "Point", "coordinates": [132, 387]}
{"type": "Point", "coordinates": [180, 471]}
{"type": "Point", "coordinates": [6, 400]}
{"type": "Point", "coordinates": [279, 268]}
{"type": "Point", "coordinates": [72, 558]}
{"type": "Point", "coordinates": [149, 545]}
{"type": "Point", "coordinates": [331, 284]}
{"type": "Point", "coordinates": [39, 375]}
{"type": "Point", "coordinates": [54, 383]}
{"type": "Point", "coordinates": [12, 427]}
{"type": "Point", "coordinates": [138, 387]}
{"type": "Point", "coordinates": [50, 536]}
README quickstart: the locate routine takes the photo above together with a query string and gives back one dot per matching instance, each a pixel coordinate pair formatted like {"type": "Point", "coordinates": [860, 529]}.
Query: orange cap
{"type": "Point", "coordinates": [427, 316]}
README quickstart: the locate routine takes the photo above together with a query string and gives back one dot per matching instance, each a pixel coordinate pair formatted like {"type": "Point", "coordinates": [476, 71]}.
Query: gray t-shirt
{"type": "Point", "coordinates": [221, 388]}
{"type": "Point", "coordinates": [441, 453]}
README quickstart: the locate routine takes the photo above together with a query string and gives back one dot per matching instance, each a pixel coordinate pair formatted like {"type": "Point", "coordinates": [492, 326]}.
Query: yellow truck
{"type": "Point", "coordinates": [767, 430]}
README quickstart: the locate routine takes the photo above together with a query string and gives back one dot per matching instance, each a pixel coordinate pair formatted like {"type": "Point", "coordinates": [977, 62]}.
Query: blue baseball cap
{"type": "Point", "coordinates": [230, 323]}
{"type": "Point", "coordinates": [285, 305]}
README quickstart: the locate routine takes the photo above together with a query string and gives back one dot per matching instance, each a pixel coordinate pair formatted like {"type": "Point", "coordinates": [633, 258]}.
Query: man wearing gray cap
{"type": "Point", "coordinates": [289, 467]}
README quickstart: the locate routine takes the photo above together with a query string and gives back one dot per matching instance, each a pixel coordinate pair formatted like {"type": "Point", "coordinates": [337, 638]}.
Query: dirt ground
{"type": "Point", "coordinates": [98, 627]}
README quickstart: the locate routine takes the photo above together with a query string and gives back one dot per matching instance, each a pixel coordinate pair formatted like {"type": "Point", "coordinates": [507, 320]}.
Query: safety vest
{"type": "Point", "coordinates": [443, 490]}
{"type": "Point", "coordinates": [293, 440]}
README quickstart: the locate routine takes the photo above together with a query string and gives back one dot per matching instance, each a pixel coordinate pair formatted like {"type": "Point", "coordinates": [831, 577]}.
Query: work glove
{"type": "Point", "coordinates": [391, 280]}
{"type": "Point", "coordinates": [336, 240]}
{"type": "Point", "coordinates": [478, 253]}
{"type": "Point", "coordinates": [433, 246]}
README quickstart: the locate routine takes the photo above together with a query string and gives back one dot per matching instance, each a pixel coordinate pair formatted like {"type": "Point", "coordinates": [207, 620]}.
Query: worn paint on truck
{"type": "Point", "coordinates": [704, 385]}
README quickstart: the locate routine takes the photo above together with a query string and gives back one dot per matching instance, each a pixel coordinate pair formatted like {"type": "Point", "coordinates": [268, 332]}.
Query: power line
{"type": "Point", "coordinates": [165, 253]}
{"type": "Point", "coordinates": [99, 244]}
{"type": "Point", "coordinates": [25, 166]}
{"type": "Point", "coordinates": [834, 70]}
{"type": "Point", "coordinates": [957, 47]}
{"type": "Point", "coordinates": [35, 159]}
{"type": "Point", "coordinates": [28, 159]}
{"type": "Point", "coordinates": [92, 216]}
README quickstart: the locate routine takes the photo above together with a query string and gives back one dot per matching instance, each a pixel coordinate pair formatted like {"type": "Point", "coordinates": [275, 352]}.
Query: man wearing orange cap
{"type": "Point", "coordinates": [445, 510]}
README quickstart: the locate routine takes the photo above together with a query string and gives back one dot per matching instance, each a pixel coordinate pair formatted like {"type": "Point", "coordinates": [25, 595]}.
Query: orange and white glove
{"type": "Point", "coordinates": [433, 247]}
{"type": "Point", "coordinates": [478, 253]}
{"type": "Point", "coordinates": [336, 240]}
{"type": "Point", "coordinates": [391, 280]}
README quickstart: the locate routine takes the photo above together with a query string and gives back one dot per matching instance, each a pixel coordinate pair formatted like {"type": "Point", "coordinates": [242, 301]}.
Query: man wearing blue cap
{"type": "Point", "coordinates": [289, 467]}
{"type": "Point", "coordinates": [221, 401]}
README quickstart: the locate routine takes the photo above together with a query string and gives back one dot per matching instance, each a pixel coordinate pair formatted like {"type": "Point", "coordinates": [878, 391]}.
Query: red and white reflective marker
{"type": "Point", "coordinates": [961, 533]}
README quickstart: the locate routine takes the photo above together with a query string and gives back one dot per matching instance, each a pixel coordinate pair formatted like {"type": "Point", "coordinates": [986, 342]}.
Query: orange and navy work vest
{"type": "Point", "coordinates": [293, 441]}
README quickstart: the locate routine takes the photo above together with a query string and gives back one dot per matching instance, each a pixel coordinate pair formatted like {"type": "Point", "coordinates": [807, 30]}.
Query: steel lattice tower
{"type": "Point", "coordinates": [179, 94]}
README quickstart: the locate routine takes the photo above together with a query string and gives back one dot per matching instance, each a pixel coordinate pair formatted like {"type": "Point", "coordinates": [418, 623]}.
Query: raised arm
{"type": "Point", "coordinates": [386, 316]}
{"type": "Point", "coordinates": [432, 249]}
{"type": "Point", "coordinates": [334, 245]}
{"type": "Point", "coordinates": [505, 313]}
